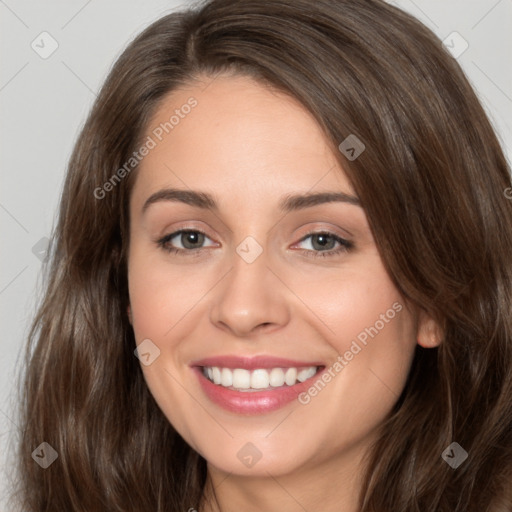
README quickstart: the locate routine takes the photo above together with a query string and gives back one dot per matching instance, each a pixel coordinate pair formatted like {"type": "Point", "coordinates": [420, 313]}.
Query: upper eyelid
{"type": "Point", "coordinates": [177, 232]}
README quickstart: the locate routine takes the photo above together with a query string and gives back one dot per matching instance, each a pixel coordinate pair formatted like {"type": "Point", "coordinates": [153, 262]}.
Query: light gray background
{"type": "Point", "coordinates": [44, 102]}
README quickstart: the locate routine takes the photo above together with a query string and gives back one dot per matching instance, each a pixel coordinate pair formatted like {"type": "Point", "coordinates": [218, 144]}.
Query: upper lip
{"type": "Point", "coordinates": [253, 362]}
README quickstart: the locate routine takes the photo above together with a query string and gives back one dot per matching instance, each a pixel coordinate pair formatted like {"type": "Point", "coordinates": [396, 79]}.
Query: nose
{"type": "Point", "coordinates": [250, 299]}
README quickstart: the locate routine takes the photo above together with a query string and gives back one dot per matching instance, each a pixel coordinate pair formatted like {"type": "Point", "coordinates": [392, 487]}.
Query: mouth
{"type": "Point", "coordinates": [254, 385]}
{"type": "Point", "coordinates": [241, 379]}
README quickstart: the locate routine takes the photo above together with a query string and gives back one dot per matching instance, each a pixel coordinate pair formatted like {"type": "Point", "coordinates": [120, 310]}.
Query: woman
{"type": "Point", "coordinates": [281, 277]}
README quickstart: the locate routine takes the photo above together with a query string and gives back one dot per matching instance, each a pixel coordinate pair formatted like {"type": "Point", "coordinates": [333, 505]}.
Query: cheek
{"type": "Point", "coordinates": [357, 304]}
{"type": "Point", "coordinates": [160, 298]}
{"type": "Point", "coordinates": [365, 320]}
{"type": "Point", "coordinates": [161, 295]}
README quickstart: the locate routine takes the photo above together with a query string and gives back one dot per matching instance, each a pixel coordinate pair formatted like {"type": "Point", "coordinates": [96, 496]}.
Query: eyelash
{"type": "Point", "coordinates": [345, 245]}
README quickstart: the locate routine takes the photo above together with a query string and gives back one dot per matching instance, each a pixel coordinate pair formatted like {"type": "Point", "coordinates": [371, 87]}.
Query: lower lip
{"type": "Point", "coordinates": [252, 402]}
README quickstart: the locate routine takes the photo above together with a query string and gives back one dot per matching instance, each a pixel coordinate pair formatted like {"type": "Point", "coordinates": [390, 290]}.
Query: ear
{"type": "Point", "coordinates": [430, 332]}
{"type": "Point", "coordinates": [129, 311]}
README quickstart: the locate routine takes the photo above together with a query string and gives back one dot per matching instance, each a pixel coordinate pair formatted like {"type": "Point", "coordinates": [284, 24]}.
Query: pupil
{"type": "Point", "coordinates": [323, 240]}
{"type": "Point", "coordinates": [191, 238]}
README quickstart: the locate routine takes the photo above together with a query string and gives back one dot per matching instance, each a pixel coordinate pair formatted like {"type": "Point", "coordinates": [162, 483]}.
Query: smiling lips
{"type": "Point", "coordinates": [253, 385]}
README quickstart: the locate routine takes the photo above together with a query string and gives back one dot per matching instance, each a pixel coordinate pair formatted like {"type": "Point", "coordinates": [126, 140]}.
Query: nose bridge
{"type": "Point", "coordinates": [250, 296]}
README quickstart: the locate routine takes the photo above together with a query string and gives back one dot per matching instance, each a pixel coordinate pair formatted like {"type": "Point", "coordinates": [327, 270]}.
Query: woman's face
{"type": "Point", "coordinates": [263, 284]}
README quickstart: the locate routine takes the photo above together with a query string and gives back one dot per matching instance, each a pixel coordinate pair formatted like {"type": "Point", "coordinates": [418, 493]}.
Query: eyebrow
{"type": "Point", "coordinates": [287, 204]}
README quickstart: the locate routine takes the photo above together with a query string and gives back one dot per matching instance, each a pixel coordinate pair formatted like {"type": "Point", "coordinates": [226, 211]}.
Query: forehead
{"type": "Point", "coordinates": [234, 134]}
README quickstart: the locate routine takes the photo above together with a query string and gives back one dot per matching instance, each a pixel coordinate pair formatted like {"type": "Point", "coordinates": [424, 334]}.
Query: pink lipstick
{"type": "Point", "coordinates": [254, 385]}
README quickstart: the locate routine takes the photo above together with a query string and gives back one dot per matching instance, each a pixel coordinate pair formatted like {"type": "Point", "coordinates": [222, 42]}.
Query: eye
{"type": "Point", "coordinates": [325, 244]}
{"type": "Point", "coordinates": [190, 241]}
{"type": "Point", "coordinates": [183, 241]}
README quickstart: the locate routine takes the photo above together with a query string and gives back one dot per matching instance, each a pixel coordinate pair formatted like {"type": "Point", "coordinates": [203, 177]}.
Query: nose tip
{"type": "Point", "coordinates": [245, 323]}
{"type": "Point", "coordinates": [249, 300]}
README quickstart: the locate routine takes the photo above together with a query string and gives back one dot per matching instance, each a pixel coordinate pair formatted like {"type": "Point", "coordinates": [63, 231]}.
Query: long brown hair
{"type": "Point", "coordinates": [432, 180]}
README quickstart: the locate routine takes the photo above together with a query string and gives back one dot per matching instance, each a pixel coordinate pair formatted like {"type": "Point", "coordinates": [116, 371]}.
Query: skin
{"type": "Point", "coordinates": [248, 146]}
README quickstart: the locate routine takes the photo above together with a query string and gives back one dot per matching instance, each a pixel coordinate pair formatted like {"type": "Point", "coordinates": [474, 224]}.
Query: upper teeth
{"type": "Point", "coordinates": [240, 378]}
